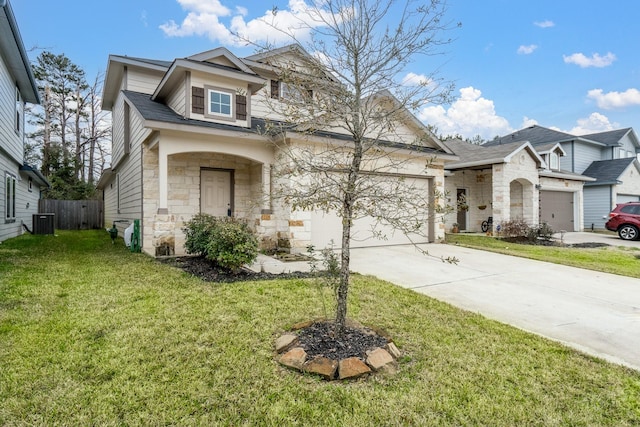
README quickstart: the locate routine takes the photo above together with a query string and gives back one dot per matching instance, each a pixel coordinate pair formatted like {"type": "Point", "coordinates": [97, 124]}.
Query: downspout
{"type": "Point", "coordinates": [573, 157]}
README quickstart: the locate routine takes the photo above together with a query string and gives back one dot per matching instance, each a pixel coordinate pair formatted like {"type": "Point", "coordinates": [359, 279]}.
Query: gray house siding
{"type": "Point", "coordinates": [584, 155]}
{"type": "Point", "coordinates": [597, 205]}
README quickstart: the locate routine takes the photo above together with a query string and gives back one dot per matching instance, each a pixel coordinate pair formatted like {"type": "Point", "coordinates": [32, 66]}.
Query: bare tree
{"type": "Point", "coordinates": [353, 84]}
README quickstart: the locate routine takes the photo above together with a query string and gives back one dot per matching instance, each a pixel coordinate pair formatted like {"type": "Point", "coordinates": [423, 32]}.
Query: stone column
{"type": "Point", "coordinates": [163, 185]}
{"type": "Point", "coordinates": [266, 205]}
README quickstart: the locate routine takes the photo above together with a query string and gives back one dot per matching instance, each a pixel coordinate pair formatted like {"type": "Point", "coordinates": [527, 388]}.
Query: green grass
{"type": "Point", "coordinates": [622, 260]}
{"type": "Point", "coordinates": [91, 334]}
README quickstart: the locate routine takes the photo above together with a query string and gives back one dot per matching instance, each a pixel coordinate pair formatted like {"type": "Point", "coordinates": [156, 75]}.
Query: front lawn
{"type": "Point", "coordinates": [622, 260]}
{"type": "Point", "coordinates": [91, 334]}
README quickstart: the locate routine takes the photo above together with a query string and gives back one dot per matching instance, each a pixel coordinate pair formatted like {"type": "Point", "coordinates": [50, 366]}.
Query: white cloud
{"type": "Point", "coordinates": [596, 122]}
{"type": "Point", "coordinates": [413, 79]}
{"type": "Point", "coordinates": [527, 50]}
{"type": "Point", "coordinates": [527, 122]}
{"type": "Point", "coordinates": [595, 61]}
{"type": "Point", "coordinates": [544, 24]}
{"type": "Point", "coordinates": [611, 100]}
{"type": "Point", "coordinates": [469, 115]}
{"type": "Point", "coordinates": [204, 18]}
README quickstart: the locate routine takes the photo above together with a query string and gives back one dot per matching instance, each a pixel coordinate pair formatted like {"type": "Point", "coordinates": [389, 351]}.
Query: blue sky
{"type": "Point", "coordinates": [565, 64]}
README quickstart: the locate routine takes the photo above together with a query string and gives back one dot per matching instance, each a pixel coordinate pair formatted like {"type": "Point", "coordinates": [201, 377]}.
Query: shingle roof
{"type": "Point", "coordinates": [156, 111]}
{"type": "Point", "coordinates": [468, 152]}
{"type": "Point", "coordinates": [536, 135]}
{"type": "Point", "coordinates": [610, 138]}
{"type": "Point", "coordinates": [160, 63]}
{"type": "Point", "coordinates": [607, 171]}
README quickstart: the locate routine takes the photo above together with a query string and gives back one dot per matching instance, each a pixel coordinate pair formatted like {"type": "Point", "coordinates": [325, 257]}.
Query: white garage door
{"type": "Point", "coordinates": [556, 209]}
{"type": "Point", "coordinates": [327, 227]}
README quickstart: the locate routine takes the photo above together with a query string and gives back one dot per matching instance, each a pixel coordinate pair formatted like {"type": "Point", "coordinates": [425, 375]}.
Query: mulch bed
{"type": "Point", "coordinates": [209, 271]}
{"type": "Point", "coordinates": [319, 339]}
{"type": "Point", "coordinates": [544, 242]}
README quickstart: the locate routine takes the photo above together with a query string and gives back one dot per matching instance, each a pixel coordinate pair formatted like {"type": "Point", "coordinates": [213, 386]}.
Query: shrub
{"type": "Point", "coordinates": [198, 233]}
{"type": "Point", "coordinates": [227, 241]}
{"type": "Point", "coordinates": [232, 243]}
{"type": "Point", "coordinates": [515, 228]}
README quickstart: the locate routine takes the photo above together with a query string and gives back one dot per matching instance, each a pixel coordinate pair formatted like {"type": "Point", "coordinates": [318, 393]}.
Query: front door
{"type": "Point", "coordinates": [215, 192]}
{"type": "Point", "coordinates": [461, 202]}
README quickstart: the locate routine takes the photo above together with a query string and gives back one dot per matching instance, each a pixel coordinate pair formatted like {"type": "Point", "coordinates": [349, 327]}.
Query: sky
{"type": "Point", "coordinates": [569, 65]}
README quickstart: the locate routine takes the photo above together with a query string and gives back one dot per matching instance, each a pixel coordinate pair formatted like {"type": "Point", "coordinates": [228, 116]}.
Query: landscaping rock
{"type": "Point", "coordinates": [322, 366]}
{"type": "Point", "coordinates": [294, 358]}
{"type": "Point", "coordinates": [393, 350]}
{"type": "Point", "coordinates": [285, 342]}
{"type": "Point", "coordinates": [352, 368]}
{"type": "Point", "coordinates": [302, 325]}
{"type": "Point", "coordinates": [379, 358]}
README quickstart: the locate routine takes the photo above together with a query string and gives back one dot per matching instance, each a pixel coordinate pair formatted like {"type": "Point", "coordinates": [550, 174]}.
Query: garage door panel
{"type": "Point", "coordinates": [556, 209]}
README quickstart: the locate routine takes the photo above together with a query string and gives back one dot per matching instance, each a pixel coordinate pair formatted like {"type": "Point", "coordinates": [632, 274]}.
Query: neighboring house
{"type": "Point", "coordinates": [509, 182]}
{"type": "Point", "coordinates": [608, 157]}
{"type": "Point", "coordinates": [186, 140]}
{"type": "Point", "coordinates": [20, 189]}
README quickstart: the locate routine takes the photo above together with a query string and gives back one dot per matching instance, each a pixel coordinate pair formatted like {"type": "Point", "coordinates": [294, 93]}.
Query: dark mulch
{"type": "Point", "coordinates": [209, 271]}
{"type": "Point", "coordinates": [319, 340]}
{"type": "Point", "coordinates": [545, 242]}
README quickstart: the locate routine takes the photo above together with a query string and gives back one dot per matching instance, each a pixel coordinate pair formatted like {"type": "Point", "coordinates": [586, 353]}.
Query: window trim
{"type": "Point", "coordinates": [10, 185]}
{"type": "Point", "coordinates": [232, 102]}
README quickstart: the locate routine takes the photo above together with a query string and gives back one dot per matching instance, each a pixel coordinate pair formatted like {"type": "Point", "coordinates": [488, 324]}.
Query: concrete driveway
{"type": "Point", "coordinates": [597, 313]}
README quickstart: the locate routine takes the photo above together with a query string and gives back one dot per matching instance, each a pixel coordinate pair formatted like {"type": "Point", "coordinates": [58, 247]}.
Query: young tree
{"type": "Point", "coordinates": [354, 82]}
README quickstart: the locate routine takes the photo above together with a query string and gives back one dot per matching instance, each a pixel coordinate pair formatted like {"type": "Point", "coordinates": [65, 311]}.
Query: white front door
{"type": "Point", "coordinates": [215, 192]}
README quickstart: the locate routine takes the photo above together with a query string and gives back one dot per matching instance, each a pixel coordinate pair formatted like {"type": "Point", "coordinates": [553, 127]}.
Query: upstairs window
{"type": "Point", "coordinates": [219, 103]}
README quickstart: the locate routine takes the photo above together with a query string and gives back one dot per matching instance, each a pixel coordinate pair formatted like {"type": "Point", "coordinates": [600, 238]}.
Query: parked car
{"type": "Point", "coordinates": [625, 220]}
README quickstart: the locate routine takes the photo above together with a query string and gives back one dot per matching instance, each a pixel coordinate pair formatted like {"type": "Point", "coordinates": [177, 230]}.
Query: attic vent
{"type": "Point", "coordinates": [197, 100]}
{"type": "Point", "coordinates": [241, 107]}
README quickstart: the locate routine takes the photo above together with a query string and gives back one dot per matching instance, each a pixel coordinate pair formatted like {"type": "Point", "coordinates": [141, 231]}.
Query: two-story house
{"type": "Point", "coordinates": [609, 158]}
{"type": "Point", "coordinates": [187, 139]}
{"type": "Point", "coordinates": [21, 183]}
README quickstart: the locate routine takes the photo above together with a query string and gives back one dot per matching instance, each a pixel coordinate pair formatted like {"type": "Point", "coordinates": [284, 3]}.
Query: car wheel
{"type": "Point", "coordinates": [628, 232]}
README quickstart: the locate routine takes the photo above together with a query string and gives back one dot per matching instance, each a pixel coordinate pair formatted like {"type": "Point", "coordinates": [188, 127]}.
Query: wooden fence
{"type": "Point", "coordinates": [74, 214]}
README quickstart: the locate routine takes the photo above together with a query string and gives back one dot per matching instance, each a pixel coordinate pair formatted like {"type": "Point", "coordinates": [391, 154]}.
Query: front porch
{"type": "Point", "coordinates": [184, 178]}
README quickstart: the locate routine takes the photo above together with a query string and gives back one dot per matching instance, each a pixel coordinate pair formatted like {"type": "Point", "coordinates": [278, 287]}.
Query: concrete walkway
{"type": "Point", "coordinates": [597, 313]}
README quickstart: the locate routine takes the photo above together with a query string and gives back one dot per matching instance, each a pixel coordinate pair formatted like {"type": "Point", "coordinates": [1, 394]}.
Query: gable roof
{"type": "Point", "coordinates": [14, 54]}
{"type": "Point", "coordinates": [474, 155]}
{"type": "Point", "coordinates": [608, 172]}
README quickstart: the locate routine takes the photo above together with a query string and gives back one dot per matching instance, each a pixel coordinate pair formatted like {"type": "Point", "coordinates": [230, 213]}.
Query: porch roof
{"type": "Point", "coordinates": [474, 155]}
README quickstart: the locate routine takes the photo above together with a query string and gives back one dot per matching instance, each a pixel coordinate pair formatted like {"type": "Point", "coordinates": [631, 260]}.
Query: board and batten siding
{"type": "Point", "coordinates": [597, 204]}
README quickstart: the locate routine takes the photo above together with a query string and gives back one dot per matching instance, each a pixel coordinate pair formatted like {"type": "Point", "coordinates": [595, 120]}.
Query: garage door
{"type": "Point", "coordinates": [556, 209]}
{"type": "Point", "coordinates": [327, 227]}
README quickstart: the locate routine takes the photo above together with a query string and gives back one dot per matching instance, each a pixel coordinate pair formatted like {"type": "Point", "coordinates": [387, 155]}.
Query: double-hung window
{"type": "Point", "coordinates": [10, 195]}
{"type": "Point", "coordinates": [219, 103]}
